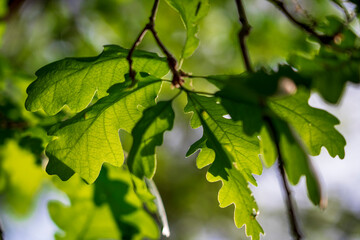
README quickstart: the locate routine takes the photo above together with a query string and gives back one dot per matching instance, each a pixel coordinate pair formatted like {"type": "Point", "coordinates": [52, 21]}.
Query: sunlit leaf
{"type": "Point", "coordinates": [91, 138]}
{"type": "Point", "coordinates": [244, 95]}
{"type": "Point", "coordinates": [191, 12]}
{"type": "Point", "coordinates": [16, 165]}
{"type": "Point", "coordinates": [110, 209]}
{"type": "Point", "coordinates": [330, 70]}
{"type": "Point", "coordinates": [131, 219]}
{"type": "Point", "coordinates": [74, 81]}
{"type": "Point", "coordinates": [314, 126]}
{"type": "Point", "coordinates": [233, 157]}
{"type": "Point", "coordinates": [296, 161]}
{"type": "Point", "coordinates": [267, 147]}
{"type": "Point", "coordinates": [148, 133]}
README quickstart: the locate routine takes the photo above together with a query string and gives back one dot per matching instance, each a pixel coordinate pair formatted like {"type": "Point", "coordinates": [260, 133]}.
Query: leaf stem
{"type": "Point", "coordinates": [292, 214]}
{"type": "Point", "coordinates": [132, 72]}
{"type": "Point", "coordinates": [243, 33]}
{"type": "Point", "coordinates": [150, 26]}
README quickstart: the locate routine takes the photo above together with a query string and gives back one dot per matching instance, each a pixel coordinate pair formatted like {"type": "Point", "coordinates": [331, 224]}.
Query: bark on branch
{"type": "Point", "coordinates": [291, 210]}
{"type": "Point", "coordinates": [150, 26]}
{"type": "Point", "coordinates": [325, 39]}
{"type": "Point", "coordinates": [243, 33]}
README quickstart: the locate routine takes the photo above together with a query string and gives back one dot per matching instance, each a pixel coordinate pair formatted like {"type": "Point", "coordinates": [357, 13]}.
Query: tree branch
{"type": "Point", "coordinates": [295, 228]}
{"type": "Point", "coordinates": [177, 77]}
{"type": "Point", "coordinates": [139, 39]}
{"type": "Point", "coordinates": [150, 26]}
{"type": "Point", "coordinates": [325, 39]}
{"type": "Point", "coordinates": [243, 33]}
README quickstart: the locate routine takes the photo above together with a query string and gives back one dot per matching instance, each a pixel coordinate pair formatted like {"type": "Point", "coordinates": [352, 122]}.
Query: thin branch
{"type": "Point", "coordinates": [322, 38]}
{"type": "Point", "coordinates": [243, 33]}
{"type": "Point", "coordinates": [295, 228]}
{"type": "Point", "coordinates": [132, 72]}
{"type": "Point", "coordinates": [177, 75]}
{"type": "Point", "coordinates": [140, 38]}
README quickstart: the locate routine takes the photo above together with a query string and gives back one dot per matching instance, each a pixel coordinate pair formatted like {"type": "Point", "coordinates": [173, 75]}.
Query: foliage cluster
{"type": "Point", "coordinates": [250, 119]}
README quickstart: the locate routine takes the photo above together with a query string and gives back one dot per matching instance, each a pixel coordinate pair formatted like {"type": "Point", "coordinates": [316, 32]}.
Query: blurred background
{"type": "Point", "coordinates": [35, 33]}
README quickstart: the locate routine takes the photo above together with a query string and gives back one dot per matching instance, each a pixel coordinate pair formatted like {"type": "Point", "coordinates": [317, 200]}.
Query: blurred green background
{"type": "Point", "coordinates": [35, 33]}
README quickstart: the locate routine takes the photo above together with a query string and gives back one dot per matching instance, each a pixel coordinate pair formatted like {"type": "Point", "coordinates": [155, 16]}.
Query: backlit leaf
{"type": "Point", "coordinates": [110, 209]}
{"type": "Point", "coordinates": [191, 11]}
{"type": "Point", "coordinates": [296, 161]}
{"type": "Point", "coordinates": [74, 81]}
{"type": "Point", "coordinates": [233, 157]}
{"type": "Point", "coordinates": [242, 95]}
{"type": "Point", "coordinates": [330, 70]}
{"type": "Point", "coordinates": [148, 133]}
{"type": "Point", "coordinates": [91, 138]}
{"type": "Point", "coordinates": [314, 126]}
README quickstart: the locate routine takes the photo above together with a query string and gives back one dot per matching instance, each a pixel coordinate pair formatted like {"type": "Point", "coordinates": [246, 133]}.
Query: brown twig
{"type": "Point", "coordinates": [177, 77]}
{"type": "Point", "coordinates": [150, 26]}
{"type": "Point", "coordinates": [139, 39]}
{"type": "Point", "coordinates": [243, 33]}
{"type": "Point", "coordinates": [295, 228]}
{"type": "Point", "coordinates": [132, 72]}
{"type": "Point", "coordinates": [325, 39]}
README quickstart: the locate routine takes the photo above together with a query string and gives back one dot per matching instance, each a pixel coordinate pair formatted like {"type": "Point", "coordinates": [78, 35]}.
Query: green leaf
{"type": "Point", "coordinates": [206, 155]}
{"type": "Point", "coordinates": [132, 221]}
{"type": "Point", "coordinates": [191, 13]}
{"type": "Point", "coordinates": [83, 220]}
{"type": "Point", "coordinates": [242, 95]}
{"type": "Point", "coordinates": [233, 157]}
{"type": "Point", "coordinates": [244, 148]}
{"type": "Point", "coordinates": [74, 81]}
{"type": "Point", "coordinates": [16, 165]}
{"type": "Point", "coordinates": [296, 162]}
{"type": "Point", "coordinates": [91, 138]}
{"type": "Point", "coordinates": [315, 126]}
{"type": "Point", "coordinates": [57, 167]}
{"type": "Point", "coordinates": [267, 147]}
{"type": "Point", "coordinates": [147, 134]}
{"type": "Point", "coordinates": [110, 209]}
{"type": "Point", "coordinates": [330, 70]}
